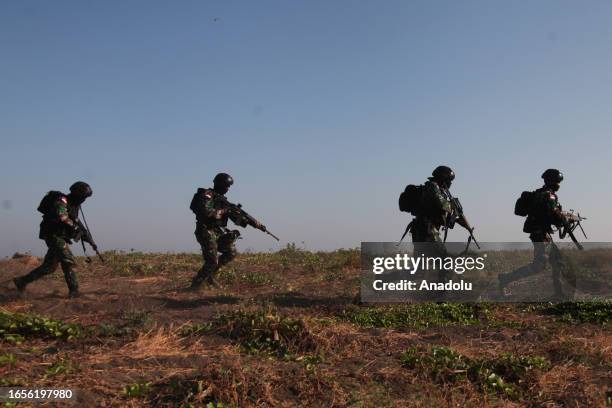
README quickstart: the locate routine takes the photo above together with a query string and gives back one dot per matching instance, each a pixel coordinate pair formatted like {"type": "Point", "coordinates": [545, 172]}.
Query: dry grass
{"type": "Point", "coordinates": [278, 335]}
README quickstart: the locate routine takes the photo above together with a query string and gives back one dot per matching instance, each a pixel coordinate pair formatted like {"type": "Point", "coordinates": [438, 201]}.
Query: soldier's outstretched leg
{"type": "Point", "coordinates": [49, 265]}
{"type": "Point", "coordinates": [536, 266]}
{"type": "Point", "coordinates": [208, 242]}
{"type": "Point", "coordinates": [542, 247]}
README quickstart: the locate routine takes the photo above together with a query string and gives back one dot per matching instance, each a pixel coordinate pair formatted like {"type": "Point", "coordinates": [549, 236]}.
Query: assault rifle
{"type": "Point", "coordinates": [84, 235]}
{"type": "Point", "coordinates": [571, 222]}
{"type": "Point", "coordinates": [236, 209]}
{"type": "Point", "coordinates": [458, 215]}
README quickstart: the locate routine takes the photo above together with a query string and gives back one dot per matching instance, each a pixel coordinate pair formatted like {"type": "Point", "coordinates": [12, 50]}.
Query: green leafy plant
{"type": "Point", "coordinates": [7, 360]}
{"type": "Point", "coordinates": [137, 390]}
{"type": "Point", "coordinates": [598, 312]}
{"type": "Point", "coordinates": [62, 366]}
{"type": "Point", "coordinates": [15, 327]}
{"type": "Point", "coordinates": [262, 331]}
{"type": "Point", "coordinates": [499, 375]}
{"type": "Point", "coordinates": [419, 315]}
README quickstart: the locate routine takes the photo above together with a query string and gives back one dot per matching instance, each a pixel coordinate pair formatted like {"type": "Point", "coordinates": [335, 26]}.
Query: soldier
{"type": "Point", "coordinates": [59, 226]}
{"type": "Point", "coordinates": [544, 212]}
{"type": "Point", "coordinates": [436, 211]}
{"type": "Point", "coordinates": [436, 208]}
{"type": "Point", "coordinates": [212, 212]}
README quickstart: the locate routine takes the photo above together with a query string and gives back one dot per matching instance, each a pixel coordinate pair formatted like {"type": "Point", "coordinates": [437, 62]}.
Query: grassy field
{"type": "Point", "coordinates": [285, 331]}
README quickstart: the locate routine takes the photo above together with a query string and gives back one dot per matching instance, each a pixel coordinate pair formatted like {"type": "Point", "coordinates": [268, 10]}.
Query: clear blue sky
{"type": "Point", "coordinates": [322, 111]}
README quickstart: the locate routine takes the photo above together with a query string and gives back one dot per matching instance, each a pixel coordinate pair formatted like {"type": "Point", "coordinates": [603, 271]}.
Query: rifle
{"type": "Point", "coordinates": [457, 214]}
{"type": "Point", "coordinates": [84, 235]}
{"type": "Point", "coordinates": [570, 222]}
{"type": "Point", "coordinates": [237, 210]}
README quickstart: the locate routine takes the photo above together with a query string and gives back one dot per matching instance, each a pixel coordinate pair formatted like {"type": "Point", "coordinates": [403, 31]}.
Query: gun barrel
{"type": "Point", "coordinates": [272, 235]}
{"type": "Point", "coordinates": [249, 218]}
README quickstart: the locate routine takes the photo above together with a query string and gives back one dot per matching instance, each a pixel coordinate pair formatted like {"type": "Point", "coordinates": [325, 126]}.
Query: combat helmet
{"type": "Point", "coordinates": [80, 189]}
{"type": "Point", "coordinates": [443, 174]}
{"type": "Point", "coordinates": [222, 181]}
{"type": "Point", "coordinates": [552, 176]}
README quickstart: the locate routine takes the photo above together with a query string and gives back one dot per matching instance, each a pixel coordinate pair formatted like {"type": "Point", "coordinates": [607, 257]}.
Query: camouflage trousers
{"type": "Point", "coordinates": [424, 231]}
{"type": "Point", "coordinates": [213, 242]}
{"type": "Point", "coordinates": [545, 252]}
{"type": "Point", "coordinates": [58, 252]}
{"type": "Point", "coordinates": [426, 240]}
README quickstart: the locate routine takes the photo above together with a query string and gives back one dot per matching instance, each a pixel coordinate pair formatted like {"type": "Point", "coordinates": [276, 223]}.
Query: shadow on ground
{"type": "Point", "coordinates": [183, 304]}
{"type": "Point", "coordinates": [296, 299]}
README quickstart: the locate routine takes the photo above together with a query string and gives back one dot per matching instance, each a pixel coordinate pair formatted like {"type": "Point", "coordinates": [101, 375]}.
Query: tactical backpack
{"type": "Point", "coordinates": [411, 199]}
{"type": "Point", "coordinates": [48, 202]}
{"type": "Point", "coordinates": [524, 204]}
{"type": "Point", "coordinates": [197, 202]}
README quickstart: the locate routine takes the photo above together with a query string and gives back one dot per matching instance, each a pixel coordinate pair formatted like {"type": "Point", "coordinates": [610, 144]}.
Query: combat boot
{"type": "Point", "coordinates": [502, 285]}
{"type": "Point", "coordinates": [196, 283]}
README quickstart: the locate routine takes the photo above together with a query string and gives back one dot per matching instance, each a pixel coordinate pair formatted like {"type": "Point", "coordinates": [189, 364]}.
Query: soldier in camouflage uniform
{"type": "Point", "coordinates": [212, 213]}
{"type": "Point", "coordinates": [58, 227]}
{"type": "Point", "coordinates": [436, 207]}
{"type": "Point", "coordinates": [546, 212]}
{"type": "Point", "coordinates": [436, 210]}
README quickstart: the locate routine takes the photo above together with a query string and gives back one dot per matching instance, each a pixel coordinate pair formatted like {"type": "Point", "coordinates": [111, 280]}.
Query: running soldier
{"type": "Point", "coordinates": [60, 225]}
{"type": "Point", "coordinates": [543, 212]}
{"type": "Point", "coordinates": [212, 212]}
{"type": "Point", "coordinates": [436, 208]}
{"type": "Point", "coordinates": [433, 208]}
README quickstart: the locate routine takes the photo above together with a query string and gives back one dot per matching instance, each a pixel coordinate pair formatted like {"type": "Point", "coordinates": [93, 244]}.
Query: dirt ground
{"type": "Point", "coordinates": [285, 331]}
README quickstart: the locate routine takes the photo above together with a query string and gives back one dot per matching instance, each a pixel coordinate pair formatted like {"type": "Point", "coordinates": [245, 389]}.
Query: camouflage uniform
{"type": "Point", "coordinates": [213, 235]}
{"type": "Point", "coordinates": [57, 229]}
{"type": "Point", "coordinates": [437, 207]}
{"type": "Point", "coordinates": [547, 212]}
{"type": "Point", "coordinates": [425, 229]}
